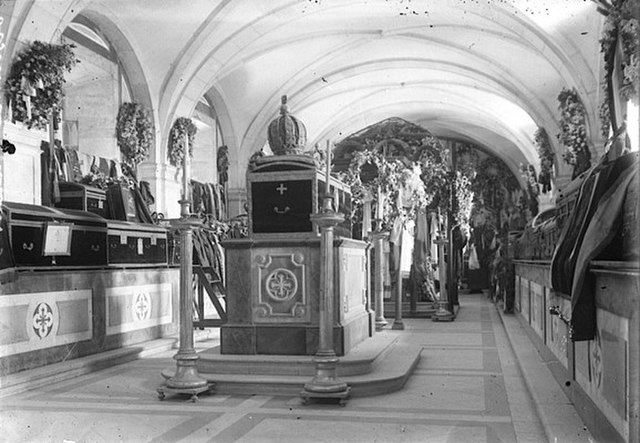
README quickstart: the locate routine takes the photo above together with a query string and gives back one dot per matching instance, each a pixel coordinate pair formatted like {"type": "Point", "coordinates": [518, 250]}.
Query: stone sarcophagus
{"type": "Point", "coordinates": [273, 276]}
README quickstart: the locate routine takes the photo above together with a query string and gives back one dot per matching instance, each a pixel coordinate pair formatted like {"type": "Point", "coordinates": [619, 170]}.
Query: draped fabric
{"type": "Point", "coordinates": [50, 189]}
{"type": "Point", "coordinates": [590, 229]}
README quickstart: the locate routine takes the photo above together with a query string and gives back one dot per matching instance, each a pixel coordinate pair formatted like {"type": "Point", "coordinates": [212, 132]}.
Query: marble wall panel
{"type": "Point", "coordinates": [518, 297]}
{"type": "Point", "coordinates": [39, 320]}
{"type": "Point", "coordinates": [525, 299]}
{"type": "Point", "coordinates": [282, 293]}
{"type": "Point", "coordinates": [607, 383]}
{"type": "Point", "coordinates": [557, 331]}
{"type": "Point", "coordinates": [352, 283]}
{"type": "Point", "coordinates": [130, 308]}
{"type": "Point", "coordinates": [536, 292]}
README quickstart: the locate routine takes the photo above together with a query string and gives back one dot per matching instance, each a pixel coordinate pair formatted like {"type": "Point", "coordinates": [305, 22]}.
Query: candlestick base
{"type": "Point", "coordinates": [186, 379]}
{"type": "Point", "coordinates": [381, 322]}
{"type": "Point", "coordinates": [398, 325]}
{"type": "Point", "coordinates": [326, 384]}
{"type": "Point", "coordinates": [442, 313]}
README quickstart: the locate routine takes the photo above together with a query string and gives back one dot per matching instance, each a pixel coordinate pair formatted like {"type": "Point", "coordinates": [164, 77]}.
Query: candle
{"type": "Point", "coordinates": [326, 186]}
{"type": "Point", "coordinates": [186, 177]}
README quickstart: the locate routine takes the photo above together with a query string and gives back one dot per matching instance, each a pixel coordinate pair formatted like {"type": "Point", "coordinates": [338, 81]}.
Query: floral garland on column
{"type": "Point", "coordinates": [546, 156]}
{"type": "Point", "coordinates": [383, 186]}
{"type": "Point", "coordinates": [176, 151]}
{"type": "Point", "coordinates": [34, 84]}
{"type": "Point", "coordinates": [573, 133]}
{"type": "Point", "coordinates": [621, 24]}
{"type": "Point", "coordinates": [134, 134]}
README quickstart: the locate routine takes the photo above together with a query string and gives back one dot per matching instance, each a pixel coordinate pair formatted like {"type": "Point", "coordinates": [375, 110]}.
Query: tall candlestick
{"type": "Point", "coordinates": [326, 185]}
{"type": "Point", "coordinates": [186, 177]}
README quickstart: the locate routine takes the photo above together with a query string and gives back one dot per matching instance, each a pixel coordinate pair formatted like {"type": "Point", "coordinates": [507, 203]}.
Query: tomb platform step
{"type": "Point", "coordinates": [382, 367]}
{"type": "Point", "coordinates": [423, 310]}
{"type": "Point", "coordinates": [359, 361]}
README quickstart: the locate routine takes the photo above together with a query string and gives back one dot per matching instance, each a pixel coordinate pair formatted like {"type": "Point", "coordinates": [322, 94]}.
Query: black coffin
{"type": "Point", "coordinates": [122, 204]}
{"type": "Point", "coordinates": [28, 226]}
{"type": "Point", "coordinates": [6, 255]}
{"type": "Point", "coordinates": [283, 193]}
{"type": "Point", "coordinates": [137, 244]}
{"type": "Point", "coordinates": [83, 198]}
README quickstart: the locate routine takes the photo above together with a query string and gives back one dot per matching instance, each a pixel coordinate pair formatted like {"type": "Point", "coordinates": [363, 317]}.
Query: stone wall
{"type": "Point", "coordinates": [600, 376]}
{"type": "Point", "coordinates": [51, 316]}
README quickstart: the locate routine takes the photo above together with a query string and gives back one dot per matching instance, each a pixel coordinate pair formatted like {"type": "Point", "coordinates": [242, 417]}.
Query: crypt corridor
{"type": "Point", "coordinates": [320, 220]}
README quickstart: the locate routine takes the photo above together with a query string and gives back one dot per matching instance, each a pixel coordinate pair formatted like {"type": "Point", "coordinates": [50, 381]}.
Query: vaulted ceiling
{"type": "Point", "coordinates": [487, 71]}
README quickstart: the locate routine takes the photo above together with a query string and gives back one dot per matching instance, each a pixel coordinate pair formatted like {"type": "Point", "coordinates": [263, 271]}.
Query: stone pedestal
{"type": "Point", "coordinates": [273, 296]}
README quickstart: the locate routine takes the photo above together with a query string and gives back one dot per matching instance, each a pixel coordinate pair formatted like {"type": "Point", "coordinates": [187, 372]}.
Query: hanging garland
{"type": "Point", "coordinates": [386, 178]}
{"type": "Point", "coordinates": [436, 174]}
{"type": "Point", "coordinates": [34, 84]}
{"type": "Point", "coordinates": [604, 112]}
{"type": "Point", "coordinates": [573, 133]}
{"type": "Point", "coordinates": [622, 24]}
{"type": "Point", "coordinates": [134, 134]}
{"type": "Point", "coordinates": [181, 126]}
{"type": "Point", "coordinates": [546, 156]}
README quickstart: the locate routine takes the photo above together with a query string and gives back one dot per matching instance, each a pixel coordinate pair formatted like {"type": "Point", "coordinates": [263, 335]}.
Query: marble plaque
{"type": "Point", "coordinates": [282, 292]}
{"type": "Point", "coordinates": [44, 319]}
{"type": "Point", "coordinates": [129, 308]}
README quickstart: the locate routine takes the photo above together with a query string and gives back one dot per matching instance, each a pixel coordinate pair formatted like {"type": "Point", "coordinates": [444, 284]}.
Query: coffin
{"type": "Point", "coordinates": [122, 204]}
{"type": "Point", "coordinates": [285, 190]}
{"type": "Point", "coordinates": [136, 244]}
{"type": "Point", "coordinates": [6, 255]}
{"type": "Point", "coordinates": [53, 237]}
{"type": "Point", "coordinates": [83, 198]}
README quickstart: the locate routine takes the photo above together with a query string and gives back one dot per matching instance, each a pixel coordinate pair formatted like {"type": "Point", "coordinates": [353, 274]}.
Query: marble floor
{"type": "Point", "coordinates": [467, 387]}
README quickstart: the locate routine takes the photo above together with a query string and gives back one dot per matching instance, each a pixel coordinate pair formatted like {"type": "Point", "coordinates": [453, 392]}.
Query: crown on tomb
{"type": "Point", "coordinates": [287, 135]}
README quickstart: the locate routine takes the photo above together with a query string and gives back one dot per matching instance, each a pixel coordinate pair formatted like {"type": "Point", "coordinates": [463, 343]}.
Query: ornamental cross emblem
{"type": "Point", "coordinates": [42, 320]}
{"type": "Point", "coordinates": [282, 284]}
{"type": "Point", "coordinates": [142, 306]}
{"type": "Point", "coordinates": [282, 189]}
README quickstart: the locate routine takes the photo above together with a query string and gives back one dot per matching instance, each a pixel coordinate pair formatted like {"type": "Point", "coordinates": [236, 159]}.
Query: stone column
{"type": "Point", "coordinates": [379, 238]}
{"type": "Point", "coordinates": [397, 321]}
{"type": "Point", "coordinates": [442, 313]}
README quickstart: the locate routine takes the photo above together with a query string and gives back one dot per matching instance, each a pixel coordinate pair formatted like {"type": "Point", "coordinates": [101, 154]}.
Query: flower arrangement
{"type": "Point", "coordinates": [604, 112]}
{"type": "Point", "coordinates": [573, 133]}
{"type": "Point", "coordinates": [133, 133]}
{"type": "Point", "coordinates": [622, 24]}
{"type": "Point", "coordinates": [100, 180]}
{"type": "Point", "coordinates": [181, 127]}
{"type": "Point", "coordinates": [34, 84]}
{"type": "Point", "coordinates": [436, 174]}
{"type": "Point", "coordinates": [382, 179]}
{"type": "Point", "coordinates": [546, 156]}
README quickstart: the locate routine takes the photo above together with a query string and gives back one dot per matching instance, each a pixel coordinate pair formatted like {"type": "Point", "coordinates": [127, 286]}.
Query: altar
{"type": "Point", "coordinates": [273, 275]}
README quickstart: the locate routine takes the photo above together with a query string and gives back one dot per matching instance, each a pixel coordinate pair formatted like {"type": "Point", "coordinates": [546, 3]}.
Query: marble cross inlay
{"type": "Point", "coordinates": [281, 284]}
{"type": "Point", "coordinates": [282, 188]}
{"type": "Point", "coordinates": [42, 321]}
